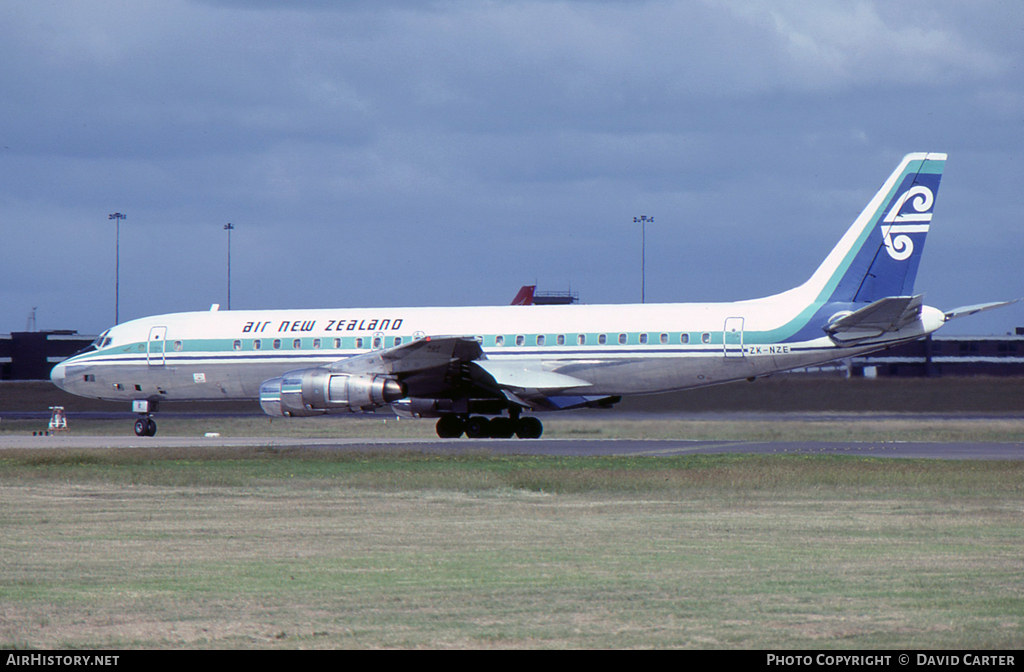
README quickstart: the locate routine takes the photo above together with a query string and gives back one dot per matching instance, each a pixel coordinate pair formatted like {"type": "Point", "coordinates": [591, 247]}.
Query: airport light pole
{"type": "Point", "coordinates": [229, 228]}
{"type": "Point", "coordinates": [117, 266]}
{"type": "Point", "coordinates": [643, 221]}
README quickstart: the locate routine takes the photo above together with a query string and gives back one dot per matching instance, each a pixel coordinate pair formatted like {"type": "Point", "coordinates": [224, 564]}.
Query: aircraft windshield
{"type": "Point", "coordinates": [102, 341]}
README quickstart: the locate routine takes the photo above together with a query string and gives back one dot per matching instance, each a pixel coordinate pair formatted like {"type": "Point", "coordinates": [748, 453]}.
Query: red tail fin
{"type": "Point", "coordinates": [525, 296]}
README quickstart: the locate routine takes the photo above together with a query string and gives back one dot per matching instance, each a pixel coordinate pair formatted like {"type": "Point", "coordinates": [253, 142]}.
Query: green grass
{"type": "Point", "coordinates": [467, 471]}
{"type": "Point", "coordinates": [310, 548]}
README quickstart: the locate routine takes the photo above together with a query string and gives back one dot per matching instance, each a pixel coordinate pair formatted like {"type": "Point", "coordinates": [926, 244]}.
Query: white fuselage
{"type": "Point", "coordinates": [613, 349]}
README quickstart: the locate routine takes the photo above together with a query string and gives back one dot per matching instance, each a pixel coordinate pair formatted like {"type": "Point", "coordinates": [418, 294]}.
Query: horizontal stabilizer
{"type": "Point", "coordinates": [971, 310]}
{"type": "Point", "coordinates": [879, 317]}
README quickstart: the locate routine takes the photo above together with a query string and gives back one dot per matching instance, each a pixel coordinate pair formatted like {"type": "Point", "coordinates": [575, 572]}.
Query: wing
{"type": "Point", "coordinates": [522, 377]}
{"type": "Point", "coordinates": [428, 367]}
{"type": "Point", "coordinates": [454, 366]}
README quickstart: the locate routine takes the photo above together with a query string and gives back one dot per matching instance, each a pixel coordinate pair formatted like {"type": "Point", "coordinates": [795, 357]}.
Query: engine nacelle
{"type": "Point", "coordinates": [320, 391]}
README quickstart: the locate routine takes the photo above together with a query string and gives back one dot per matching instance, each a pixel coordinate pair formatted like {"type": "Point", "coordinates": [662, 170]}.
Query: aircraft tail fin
{"type": "Point", "coordinates": [525, 296]}
{"type": "Point", "coordinates": [879, 255]}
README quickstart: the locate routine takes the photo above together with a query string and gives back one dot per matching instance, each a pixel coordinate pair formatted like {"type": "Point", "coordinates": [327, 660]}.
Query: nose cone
{"type": "Point", "coordinates": [57, 376]}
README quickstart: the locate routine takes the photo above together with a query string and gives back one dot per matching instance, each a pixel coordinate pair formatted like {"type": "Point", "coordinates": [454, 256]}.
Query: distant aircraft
{"type": "Point", "coordinates": [462, 365]}
{"type": "Point", "coordinates": [529, 296]}
{"type": "Point", "coordinates": [525, 296]}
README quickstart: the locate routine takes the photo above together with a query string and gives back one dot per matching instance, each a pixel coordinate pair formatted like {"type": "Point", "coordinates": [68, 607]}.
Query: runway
{"type": "Point", "coordinates": [574, 447]}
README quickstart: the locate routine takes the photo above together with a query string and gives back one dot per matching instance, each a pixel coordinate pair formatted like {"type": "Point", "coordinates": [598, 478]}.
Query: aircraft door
{"type": "Point", "coordinates": [156, 347]}
{"type": "Point", "coordinates": [732, 337]}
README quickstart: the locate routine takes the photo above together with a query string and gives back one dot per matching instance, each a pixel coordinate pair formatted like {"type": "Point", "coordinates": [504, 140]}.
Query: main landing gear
{"type": "Point", "coordinates": [145, 427]}
{"type": "Point", "coordinates": [479, 427]}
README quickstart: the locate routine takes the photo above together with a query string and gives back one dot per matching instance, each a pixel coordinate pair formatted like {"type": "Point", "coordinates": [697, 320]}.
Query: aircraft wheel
{"type": "Point", "coordinates": [141, 427]}
{"type": "Point", "coordinates": [150, 427]}
{"type": "Point", "coordinates": [502, 428]}
{"type": "Point", "coordinates": [529, 428]}
{"type": "Point", "coordinates": [478, 427]}
{"type": "Point", "coordinates": [450, 427]}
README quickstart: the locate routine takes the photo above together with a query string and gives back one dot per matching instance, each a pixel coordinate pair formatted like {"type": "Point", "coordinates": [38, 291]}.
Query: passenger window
{"type": "Point", "coordinates": [237, 345]}
{"type": "Point", "coordinates": [705, 337]}
{"type": "Point", "coordinates": [178, 346]}
{"type": "Point", "coordinates": [540, 339]}
{"type": "Point", "coordinates": [622, 339]}
{"type": "Point", "coordinates": [561, 339]}
{"type": "Point", "coordinates": [376, 342]}
{"type": "Point", "coordinates": [602, 339]}
{"type": "Point", "coordinates": [684, 338]}
{"type": "Point", "coordinates": [643, 339]}
{"type": "Point", "coordinates": [297, 343]}
{"type": "Point", "coordinates": [664, 339]}
{"type": "Point", "coordinates": [359, 343]}
{"type": "Point", "coordinates": [499, 340]}
{"type": "Point", "coordinates": [277, 344]}
{"type": "Point", "coordinates": [398, 340]}
{"type": "Point", "coordinates": [581, 339]}
{"type": "Point", "coordinates": [257, 344]}
{"type": "Point", "coordinates": [337, 343]}
{"type": "Point", "coordinates": [520, 340]}
{"type": "Point", "coordinates": [316, 343]}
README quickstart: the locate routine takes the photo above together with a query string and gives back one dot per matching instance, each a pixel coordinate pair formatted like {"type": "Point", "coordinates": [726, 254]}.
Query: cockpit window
{"type": "Point", "coordinates": [102, 341]}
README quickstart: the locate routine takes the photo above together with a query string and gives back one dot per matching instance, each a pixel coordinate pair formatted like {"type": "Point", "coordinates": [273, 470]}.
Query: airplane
{"type": "Point", "coordinates": [525, 296]}
{"type": "Point", "coordinates": [485, 371]}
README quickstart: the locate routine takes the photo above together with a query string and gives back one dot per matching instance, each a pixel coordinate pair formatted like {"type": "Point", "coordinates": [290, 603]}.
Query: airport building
{"type": "Point", "coordinates": [946, 356]}
{"type": "Point", "coordinates": [29, 355]}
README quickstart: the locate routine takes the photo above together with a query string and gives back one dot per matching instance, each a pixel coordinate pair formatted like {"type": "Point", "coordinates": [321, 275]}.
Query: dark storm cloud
{"type": "Point", "coordinates": [447, 152]}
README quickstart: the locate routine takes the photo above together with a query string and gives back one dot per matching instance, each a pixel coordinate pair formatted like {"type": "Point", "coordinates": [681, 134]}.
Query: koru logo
{"type": "Point", "coordinates": [901, 246]}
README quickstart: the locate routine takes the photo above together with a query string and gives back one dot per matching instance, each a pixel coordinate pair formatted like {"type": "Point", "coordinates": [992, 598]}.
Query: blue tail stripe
{"type": "Point", "coordinates": [885, 259]}
{"type": "Point", "coordinates": [893, 249]}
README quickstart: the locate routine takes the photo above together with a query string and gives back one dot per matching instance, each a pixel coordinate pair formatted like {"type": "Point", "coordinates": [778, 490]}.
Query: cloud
{"type": "Point", "coordinates": [834, 45]}
{"type": "Point", "coordinates": [447, 152]}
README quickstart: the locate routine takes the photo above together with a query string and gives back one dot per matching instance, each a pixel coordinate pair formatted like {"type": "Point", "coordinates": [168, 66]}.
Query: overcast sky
{"type": "Point", "coordinates": [374, 153]}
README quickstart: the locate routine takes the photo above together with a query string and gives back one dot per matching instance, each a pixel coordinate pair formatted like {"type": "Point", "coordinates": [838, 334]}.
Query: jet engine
{"type": "Point", "coordinates": [320, 391]}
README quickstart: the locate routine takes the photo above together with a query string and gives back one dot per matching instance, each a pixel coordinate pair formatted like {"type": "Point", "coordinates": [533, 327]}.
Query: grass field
{"type": "Point", "coordinates": [307, 548]}
{"type": "Point", "coordinates": [299, 547]}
